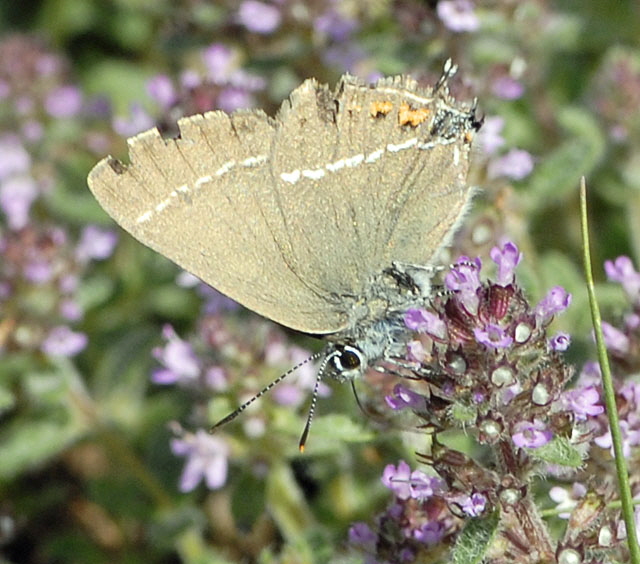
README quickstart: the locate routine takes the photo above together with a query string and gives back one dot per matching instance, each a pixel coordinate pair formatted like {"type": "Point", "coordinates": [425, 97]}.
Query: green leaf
{"type": "Point", "coordinates": [558, 451]}
{"type": "Point", "coordinates": [287, 504]}
{"type": "Point", "coordinates": [7, 398]}
{"type": "Point", "coordinates": [28, 444]}
{"type": "Point", "coordinates": [327, 432]}
{"type": "Point", "coordinates": [29, 439]}
{"type": "Point", "coordinates": [475, 539]}
{"type": "Point", "coordinates": [557, 176]}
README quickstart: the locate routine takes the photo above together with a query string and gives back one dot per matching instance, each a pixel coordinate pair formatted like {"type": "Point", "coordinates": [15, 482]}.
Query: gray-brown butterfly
{"type": "Point", "coordinates": [324, 219]}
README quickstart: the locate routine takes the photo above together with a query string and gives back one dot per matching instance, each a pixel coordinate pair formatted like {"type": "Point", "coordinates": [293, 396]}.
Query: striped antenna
{"type": "Point", "coordinates": [314, 400]}
{"type": "Point", "coordinates": [268, 387]}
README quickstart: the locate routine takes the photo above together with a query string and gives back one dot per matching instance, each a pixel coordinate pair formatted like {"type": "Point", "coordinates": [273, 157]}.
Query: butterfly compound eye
{"type": "Point", "coordinates": [347, 362]}
{"type": "Point", "coordinates": [351, 358]}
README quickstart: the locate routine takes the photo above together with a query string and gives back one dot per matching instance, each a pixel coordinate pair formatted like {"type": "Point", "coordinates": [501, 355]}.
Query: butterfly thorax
{"type": "Point", "coordinates": [376, 329]}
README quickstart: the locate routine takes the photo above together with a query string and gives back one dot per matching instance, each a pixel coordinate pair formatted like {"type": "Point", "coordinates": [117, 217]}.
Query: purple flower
{"type": "Point", "coordinates": [63, 102]}
{"type": "Point", "coordinates": [218, 58]}
{"type": "Point", "coordinates": [216, 378]}
{"type": "Point", "coordinates": [180, 361]}
{"type": "Point", "coordinates": [38, 271]}
{"type": "Point", "coordinates": [507, 258]}
{"type": "Point", "coordinates": [475, 505]}
{"type": "Point", "coordinates": [590, 375]}
{"type": "Point", "coordinates": [161, 89]}
{"type": "Point", "coordinates": [630, 438]}
{"type": "Point", "coordinates": [295, 389]}
{"type": "Point", "coordinates": [415, 351]}
{"type": "Point", "coordinates": [416, 319]}
{"type": "Point", "coordinates": [206, 458]}
{"type": "Point", "coordinates": [583, 402]}
{"type": "Point", "coordinates": [464, 280]}
{"type": "Point", "coordinates": [346, 56]}
{"type": "Point", "coordinates": [95, 244]}
{"type": "Point", "coordinates": [138, 121]}
{"type": "Point", "coordinates": [493, 336]}
{"type": "Point", "coordinates": [288, 394]}
{"type": "Point", "coordinates": [17, 194]}
{"type": "Point", "coordinates": [15, 158]}
{"type": "Point", "coordinates": [516, 164]}
{"type": "Point", "coordinates": [62, 341]}
{"type": "Point", "coordinates": [621, 270]}
{"type": "Point", "coordinates": [507, 88]}
{"type": "Point", "coordinates": [215, 302]}
{"type": "Point", "coordinates": [48, 64]}
{"type": "Point", "coordinates": [510, 392]}
{"type": "Point", "coordinates": [403, 398]}
{"type": "Point", "coordinates": [68, 283]}
{"type": "Point", "coordinates": [279, 353]}
{"type": "Point", "coordinates": [398, 479]}
{"type": "Point", "coordinates": [232, 98]}
{"type": "Point", "coordinates": [425, 321]}
{"type": "Point", "coordinates": [247, 81]}
{"type": "Point", "coordinates": [98, 107]}
{"type": "Point", "coordinates": [560, 342]}
{"type": "Point", "coordinates": [423, 487]}
{"type": "Point", "coordinates": [259, 17]}
{"type": "Point", "coordinates": [360, 534]}
{"type": "Point", "coordinates": [458, 15]}
{"type": "Point", "coordinates": [185, 279]}
{"type": "Point", "coordinates": [429, 533]}
{"type": "Point", "coordinates": [406, 484]}
{"type": "Point", "coordinates": [190, 79]}
{"type": "Point", "coordinates": [70, 310]}
{"type": "Point", "coordinates": [531, 434]}
{"type": "Point", "coordinates": [490, 137]}
{"type": "Point", "coordinates": [630, 391]}
{"type": "Point", "coordinates": [335, 25]}
{"type": "Point", "coordinates": [632, 321]}
{"type": "Point", "coordinates": [556, 301]}
{"type": "Point", "coordinates": [566, 500]}
{"type": "Point", "coordinates": [472, 505]}
{"type": "Point", "coordinates": [614, 339]}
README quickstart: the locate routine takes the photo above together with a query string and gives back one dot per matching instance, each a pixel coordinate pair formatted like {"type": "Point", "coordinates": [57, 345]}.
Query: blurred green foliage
{"type": "Point", "coordinates": [86, 472]}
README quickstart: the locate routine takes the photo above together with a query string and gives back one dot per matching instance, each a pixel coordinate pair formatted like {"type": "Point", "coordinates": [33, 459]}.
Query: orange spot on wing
{"type": "Point", "coordinates": [381, 108]}
{"type": "Point", "coordinates": [409, 116]}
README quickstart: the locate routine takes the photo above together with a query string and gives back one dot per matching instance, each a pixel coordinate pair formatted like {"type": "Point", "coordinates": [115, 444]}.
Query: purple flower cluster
{"type": "Point", "coordinates": [221, 358]}
{"type": "Point", "coordinates": [417, 520]}
{"type": "Point", "coordinates": [34, 94]}
{"type": "Point", "coordinates": [515, 164]}
{"type": "Point", "coordinates": [486, 364]}
{"type": "Point", "coordinates": [485, 353]}
{"type": "Point", "coordinates": [623, 343]}
{"type": "Point", "coordinates": [41, 259]}
{"type": "Point", "coordinates": [423, 514]}
{"type": "Point", "coordinates": [489, 367]}
{"type": "Point", "coordinates": [41, 267]}
{"type": "Point", "coordinates": [458, 15]}
{"type": "Point", "coordinates": [218, 83]}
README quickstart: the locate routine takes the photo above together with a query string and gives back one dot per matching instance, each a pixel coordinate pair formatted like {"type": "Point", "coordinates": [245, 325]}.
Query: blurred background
{"type": "Point", "coordinates": [112, 361]}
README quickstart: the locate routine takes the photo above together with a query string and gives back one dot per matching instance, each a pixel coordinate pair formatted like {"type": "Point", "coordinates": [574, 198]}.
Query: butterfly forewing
{"type": "Point", "coordinates": [292, 216]}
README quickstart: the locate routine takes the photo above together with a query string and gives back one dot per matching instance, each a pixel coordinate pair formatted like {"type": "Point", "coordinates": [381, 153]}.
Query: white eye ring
{"type": "Point", "coordinates": [347, 362]}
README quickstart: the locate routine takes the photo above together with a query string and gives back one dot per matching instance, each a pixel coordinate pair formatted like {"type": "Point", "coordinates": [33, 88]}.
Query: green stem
{"type": "Point", "coordinates": [607, 386]}
{"type": "Point", "coordinates": [120, 449]}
